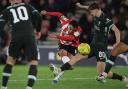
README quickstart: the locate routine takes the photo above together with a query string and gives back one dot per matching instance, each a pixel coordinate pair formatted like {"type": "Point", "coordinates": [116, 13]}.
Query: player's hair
{"type": "Point", "coordinates": [94, 6]}
{"type": "Point", "coordinates": [74, 23]}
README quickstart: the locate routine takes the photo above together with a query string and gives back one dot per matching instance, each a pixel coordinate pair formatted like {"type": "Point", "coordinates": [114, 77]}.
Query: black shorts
{"type": "Point", "coordinates": [26, 44]}
{"type": "Point", "coordinates": [100, 52]}
{"type": "Point", "coordinates": [68, 48]}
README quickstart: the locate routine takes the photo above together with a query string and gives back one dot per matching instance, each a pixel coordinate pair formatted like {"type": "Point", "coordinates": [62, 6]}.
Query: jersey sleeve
{"type": "Point", "coordinates": [32, 10]}
{"type": "Point", "coordinates": [3, 20]}
{"type": "Point", "coordinates": [35, 17]}
{"type": "Point", "coordinates": [109, 23]}
{"type": "Point", "coordinates": [63, 19]}
{"type": "Point", "coordinates": [37, 23]}
{"type": "Point", "coordinates": [58, 14]}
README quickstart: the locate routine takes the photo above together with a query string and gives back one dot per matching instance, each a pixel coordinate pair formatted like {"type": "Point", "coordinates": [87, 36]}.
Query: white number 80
{"type": "Point", "coordinates": [102, 54]}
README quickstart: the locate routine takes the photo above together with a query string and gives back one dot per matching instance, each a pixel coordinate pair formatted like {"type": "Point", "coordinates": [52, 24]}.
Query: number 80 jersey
{"type": "Point", "coordinates": [22, 18]}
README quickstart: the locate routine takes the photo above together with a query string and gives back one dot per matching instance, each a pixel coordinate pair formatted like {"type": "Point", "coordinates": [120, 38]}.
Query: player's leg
{"type": "Point", "coordinates": [64, 55]}
{"type": "Point", "coordinates": [111, 75]}
{"type": "Point", "coordinates": [73, 61]}
{"type": "Point", "coordinates": [14, 50]}
{"type": "Point", "coordinates": [32, 74]}
{"type": "Point", "coordinates": [31, 53]}
{"type": "Point", "coordinates": [100, 67]}
{"type": "Point", "coordinates": [7, 71]}
{"type": "Point", "coordinates": [101, 59]}
{"type": "Point", "coordinates": [67, 66]}
{"type": "Point", "coordinates": [115, 76]}
{"type": "Point", "coordinates": [122, 47]}
{"type": "Point", "coordinates": [65, 52]}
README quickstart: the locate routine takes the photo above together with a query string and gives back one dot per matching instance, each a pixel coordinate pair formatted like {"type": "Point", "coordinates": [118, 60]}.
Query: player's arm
{"type": "Point", "coordinates": [82, 6]}
{"type": "Point", "coordinates": [111, 26]}
{"type": "Point", "coordinates": [117, 34]}
{"type": "Point", "coordinates": [63, 19]}
{"type": "Point", "coordinates": [3, 20]}
{"type": "Point", "coordinates": [36, 20]}
{"type": "Point", "coordinates": [71, 37]}
{"type": "Point", "coordinates": [37, 23]}
{"type": "Point", "coordinates": [66, 37]}
{"type": "Point", "coordinates": [58, 14]}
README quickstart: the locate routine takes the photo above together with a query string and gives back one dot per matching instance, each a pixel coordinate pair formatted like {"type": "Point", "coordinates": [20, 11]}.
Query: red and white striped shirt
{"type": "Point", "coordinates": [67, 36]}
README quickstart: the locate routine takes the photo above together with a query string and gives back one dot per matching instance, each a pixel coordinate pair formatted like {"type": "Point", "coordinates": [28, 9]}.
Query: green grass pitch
{"type": "Point", "coordinates": [79, 78]}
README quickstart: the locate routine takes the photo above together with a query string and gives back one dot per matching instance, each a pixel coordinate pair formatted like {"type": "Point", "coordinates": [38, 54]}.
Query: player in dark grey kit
{"type": "Point", "coordinates": [102, 27]}
{"type": "Point", "coordinates": [23, 19]}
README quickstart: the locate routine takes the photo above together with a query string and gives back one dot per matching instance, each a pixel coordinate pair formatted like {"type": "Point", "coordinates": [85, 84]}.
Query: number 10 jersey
{"type": "Point", "coordinates": [21, 18]}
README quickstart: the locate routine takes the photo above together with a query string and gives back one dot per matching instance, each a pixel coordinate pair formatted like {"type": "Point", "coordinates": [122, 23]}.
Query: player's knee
{"type": "Point", "coordinates": [63, 53]}
{"type": "Point", "coordinates": [11, 60]}
{"type": "Point", "coordinates": [110, 74]}
{"type": "Point", "coordinates": [33, 62]}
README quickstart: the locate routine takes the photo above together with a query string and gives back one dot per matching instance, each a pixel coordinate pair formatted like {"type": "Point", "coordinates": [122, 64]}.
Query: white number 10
{"type": "Point", "coordinates": [19, 14]}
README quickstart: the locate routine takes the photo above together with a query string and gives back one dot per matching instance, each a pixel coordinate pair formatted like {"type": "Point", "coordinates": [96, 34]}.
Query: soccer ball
{"type": "Point", "coordinates": [84, 49]}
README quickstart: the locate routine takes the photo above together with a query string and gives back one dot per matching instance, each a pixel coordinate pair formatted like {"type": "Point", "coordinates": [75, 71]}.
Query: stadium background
{"type": "Point", "coordinates": [81, 77]}
{"type": "Point", "coordinates": [117, 10]}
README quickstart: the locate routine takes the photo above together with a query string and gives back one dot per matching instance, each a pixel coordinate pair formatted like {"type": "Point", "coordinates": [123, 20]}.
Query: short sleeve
{"type": "Point", "coordinates": [32, 9]}
{"type": "Point", "coordinates": [109, 23]}
{"type": "Point", "coordinates": [35, 17]}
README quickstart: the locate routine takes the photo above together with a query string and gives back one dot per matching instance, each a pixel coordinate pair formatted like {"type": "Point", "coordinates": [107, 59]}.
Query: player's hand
{"type": "Point", "coordinates": [52, 36]}
{"type": "Point", "coordinates": [43, 12]}
{"type": "Point", "coordinates": [38, 35]}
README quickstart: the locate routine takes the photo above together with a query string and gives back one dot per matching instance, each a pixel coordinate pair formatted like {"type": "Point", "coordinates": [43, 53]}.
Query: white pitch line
{"type": "Point", "coordinates": [64, 79]}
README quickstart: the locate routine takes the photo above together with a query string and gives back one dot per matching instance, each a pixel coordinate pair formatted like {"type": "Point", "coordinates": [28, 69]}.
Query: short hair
{"type": "Point", "coordinates": [94, 6]}
{"type": "Point", "coordinates": [74, 23]}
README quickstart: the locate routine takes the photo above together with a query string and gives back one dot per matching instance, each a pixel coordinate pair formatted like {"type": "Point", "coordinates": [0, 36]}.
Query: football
{"type": "Point", "coordinates": [84, 49]}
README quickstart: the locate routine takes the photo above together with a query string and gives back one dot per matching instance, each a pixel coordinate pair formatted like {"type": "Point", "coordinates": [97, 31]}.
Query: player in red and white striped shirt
{"type": "Point", "coordinates": [68, 37]}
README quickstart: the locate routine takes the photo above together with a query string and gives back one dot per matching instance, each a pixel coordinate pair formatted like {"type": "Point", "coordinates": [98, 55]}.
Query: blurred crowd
{"type": "Point", "coordinates": [117, 10]}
